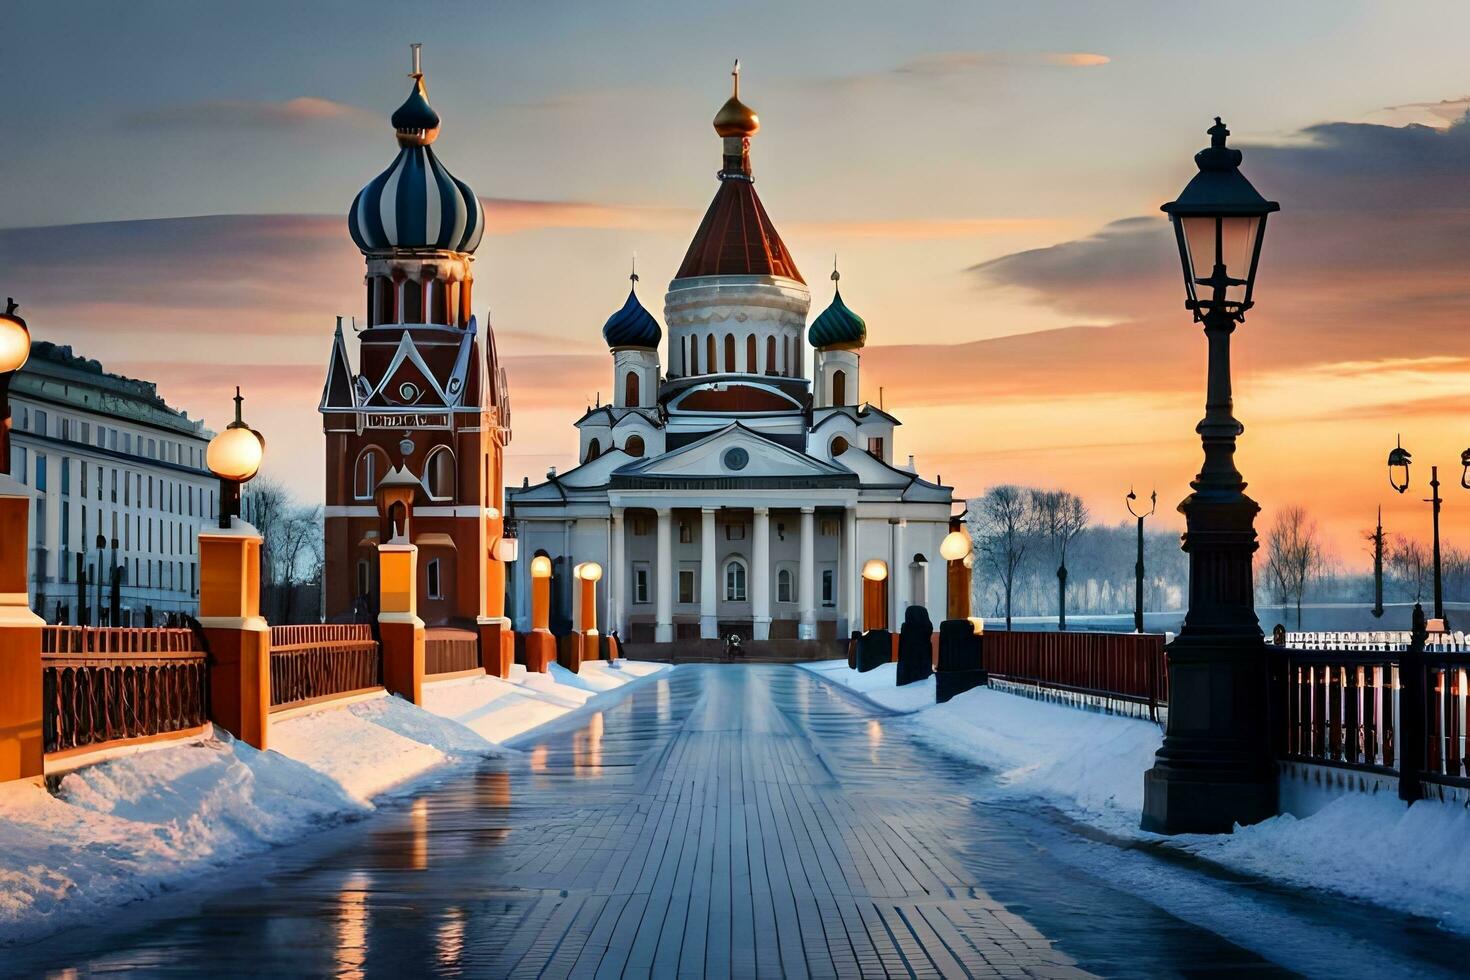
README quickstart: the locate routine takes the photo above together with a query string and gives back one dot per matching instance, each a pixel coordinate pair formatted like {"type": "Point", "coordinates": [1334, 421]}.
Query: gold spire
{"type": "Point", "coordinates": [735, 118]}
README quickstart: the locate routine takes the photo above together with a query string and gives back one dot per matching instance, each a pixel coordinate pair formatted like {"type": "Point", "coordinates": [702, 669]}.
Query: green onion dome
{"type": "Point", "coordinates": [838, 327]}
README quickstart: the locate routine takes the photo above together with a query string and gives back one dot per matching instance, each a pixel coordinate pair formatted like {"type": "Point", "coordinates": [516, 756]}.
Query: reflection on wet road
{"type": "Point", "coordinates": [720, 820]}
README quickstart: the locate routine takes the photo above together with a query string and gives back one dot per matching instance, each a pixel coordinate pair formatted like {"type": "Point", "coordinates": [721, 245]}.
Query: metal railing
{"type": "Point", "coordinates": [450, 651]}
{"type": "Point", "coordinates": [105, 685]}
{"type": "Point", "coordinates": [322, 660]}
{"type": "Point", "coordinates": [1114, 669]}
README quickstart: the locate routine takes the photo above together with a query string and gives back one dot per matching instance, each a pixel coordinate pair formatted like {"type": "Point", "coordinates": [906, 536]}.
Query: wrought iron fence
{"type": "Point", "coordinates": [449, 651]}
{"type": "Point", "coordinates": [1114, 669]}
{"type": "Point", "coordinates": [323, 660]}
{"type": "Point", "coordinates": [104, 685]}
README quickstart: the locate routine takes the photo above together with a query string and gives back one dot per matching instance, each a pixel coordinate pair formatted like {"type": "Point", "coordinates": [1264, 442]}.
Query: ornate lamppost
{"type": "Point", "coordinates": [1399, 461]}
{"type": "Point", "coordinates": [15, 350]}
{"type": "Point", "coordinates": [234, 456]}
{"type": "Point", "coordinates": [1153, 505]}
{"type": "Point", "coordinates": [1215, 768]}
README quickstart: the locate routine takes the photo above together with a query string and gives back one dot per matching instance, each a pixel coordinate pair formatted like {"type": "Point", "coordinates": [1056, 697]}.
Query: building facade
{"type": "Point", "coordinates": [724, 487]}
{"type": "Point", "coordinates": [416, 431]}
{"type": "Point", "coordinates": [108, 459]}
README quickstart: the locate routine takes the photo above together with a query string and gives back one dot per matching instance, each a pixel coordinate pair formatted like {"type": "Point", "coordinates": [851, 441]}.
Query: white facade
{"type": "Point", "coordinates": [105, 455]}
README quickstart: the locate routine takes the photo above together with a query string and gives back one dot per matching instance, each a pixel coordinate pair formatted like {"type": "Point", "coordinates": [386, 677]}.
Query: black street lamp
{"type": "Point", "coordinates": [1215, 767]}
{"type": "Point", "coordinates": [234, 456]}
{"type": "Point", "coordinates": [1398, 478]}
{"type": "Point", "coordinates": [15, 349]}
{"type": "Point", "coordinates": [1153, 505]}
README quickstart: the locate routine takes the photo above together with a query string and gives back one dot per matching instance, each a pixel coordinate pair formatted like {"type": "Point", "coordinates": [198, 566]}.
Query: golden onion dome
{"type": "Point", "coordinates": [735, 118]}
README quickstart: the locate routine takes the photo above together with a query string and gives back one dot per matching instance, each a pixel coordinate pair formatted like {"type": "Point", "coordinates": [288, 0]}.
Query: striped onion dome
{"type": "Point", "coordinates": [838, 327]}
{"type": "Point", "coordinates": [416, 202]}
{"type": "Point", "coordinates": [632, 326]}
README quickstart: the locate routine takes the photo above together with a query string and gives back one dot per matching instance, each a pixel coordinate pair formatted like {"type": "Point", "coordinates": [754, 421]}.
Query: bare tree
{"type": "Point", "coordinates": [1005, 527]}
{"type": "Point", "coordinates": [1294, 555]}
{"type": "Point", "coordinates": [292, 548]}
{"type": "Point", "coordinates": [1061, 516]}
{"type": "Point", "coordinates": [1408, 560]}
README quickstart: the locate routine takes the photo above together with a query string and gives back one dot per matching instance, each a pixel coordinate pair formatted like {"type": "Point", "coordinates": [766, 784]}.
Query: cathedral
{"type": "Point", "coordinates": [725, 489]}
{"type": "Point", "coordinates": [415, 435]}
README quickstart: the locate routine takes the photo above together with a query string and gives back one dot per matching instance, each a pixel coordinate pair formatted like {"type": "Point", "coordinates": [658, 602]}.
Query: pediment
{"type": "Point", "coordinates": [734, 452]}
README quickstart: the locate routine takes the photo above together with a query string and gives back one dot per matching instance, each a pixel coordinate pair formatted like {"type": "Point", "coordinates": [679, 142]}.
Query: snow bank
{"type": "Point", "coordinates": [879, 685]}
{"type": "Point", "coordinates": [1090, 766]}
{"type": "Point", "coordinates": [158, 820]}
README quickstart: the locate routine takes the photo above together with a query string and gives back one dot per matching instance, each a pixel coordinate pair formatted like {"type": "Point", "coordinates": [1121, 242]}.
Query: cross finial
{"type": "Point", "coordinates": [735, 74]}
{"type": "Point", "coordinates": [10, 305]}
{"type": "Point", "coordinates": [239, 401]}
{"type": "Point", "coordinates": [633, 275]}
{"type": "Point", "coordinates": [835, 274]}
{"type": "Point", "coordinates": [417, 69]}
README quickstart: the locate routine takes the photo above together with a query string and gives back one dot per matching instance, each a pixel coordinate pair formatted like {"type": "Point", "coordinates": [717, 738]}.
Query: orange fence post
{"type": "Point", "coordinates": [540, 644]}
{"type": "Point", "coordinates": [22, 752]}
{"type": "Point", "coordinates": [239, 639]}
{"type": "Point", "coordinates": [587, 575]}
{"type": "Point", "coordinates": [399, 626]}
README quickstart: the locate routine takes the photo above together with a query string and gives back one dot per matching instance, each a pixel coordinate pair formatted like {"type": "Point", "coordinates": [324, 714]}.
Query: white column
{"type": "Point", "coordinates": [806, 597]}
{"type": "Point", "coordinates": [852, 596]}
{"type": "Point", "coordinates": [617, 584]}
{"type": "Point", "coordinates": [760, 575]}
{"type": "Point", "coordinates": [898, 578]}
{"type": "Point", "coordinates": [663, 626]}
{"type": "Point", "coordinates": [709, 622]}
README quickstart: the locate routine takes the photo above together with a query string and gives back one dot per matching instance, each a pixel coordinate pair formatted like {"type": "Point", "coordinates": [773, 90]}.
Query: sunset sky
{"type": "Point", "coordinates": [989, 174]}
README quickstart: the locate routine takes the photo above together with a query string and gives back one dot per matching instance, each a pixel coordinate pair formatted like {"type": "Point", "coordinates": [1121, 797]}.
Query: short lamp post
{"type": "Point", "coordinates": [588, 574]}
{"type": "Point", "coordinates": [540, 645]}
{"type": "Point", "coordinates": [1215, 768]}
{"type": "Point", "coordinates": [1153, 505]}
{"type": "Point", "coordinates": [1399, 462]}
{"type": "Point", "coordinates": [875, 645]}
{"type": "Point", "coordinates": [954, 549]}
{"type": "Point", "coordinates": [15, 350]}
{"type": "Point", "coordinates": [234, 456]}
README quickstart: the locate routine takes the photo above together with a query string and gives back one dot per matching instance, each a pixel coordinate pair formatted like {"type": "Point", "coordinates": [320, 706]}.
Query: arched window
{"type": "Point", "coordinates": [783, 585]}
{"type": "Point", "coordinates": [594, 450]}
{"type": "Point", "coordinates": [735, 580]}
{"type": "Point", "coordinates": [439, 474]}
{"type": "Point", "coordinates": [434, 582]}
{"type": "Point", "coordinates": [793, 366]}
{"type": "Point", "coordinates": [750, 364]}
{"type": "Point", "coordinates": [839, 446]}
{"type": "Point", "coordinates": [730, 353]}
{"type": "Point", "coordinates": [438, 302]}
{"type": "Point", "coordinates": [710, 364]}
{"type": "Point", "coordinates": [634, 446]}
{"type": "Point", "coordinates": [413, 301]}
{"type": "Point", "coordinates": [693, 356]}
{"type": "Point", "coordinates": [372, 463]}
{"type": "Point", "coordinates": [771, 355]}
{"type": "Point", "coordinates": [384, 309]}
{"type": "Point", "coordinates": [839, 387]}
{"type": "Point", "coordinates": [630, 389]}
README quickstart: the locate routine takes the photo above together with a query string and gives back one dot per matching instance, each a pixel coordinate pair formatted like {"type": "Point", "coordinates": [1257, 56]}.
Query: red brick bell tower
{"type": "Point", "coordinates": [426, 408]}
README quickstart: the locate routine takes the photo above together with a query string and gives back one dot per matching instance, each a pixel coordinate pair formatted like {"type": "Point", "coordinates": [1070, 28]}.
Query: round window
{"type": "Point", "coordinates": [408, 391]}
{"type": "Point", "coordinates": [736, 459]}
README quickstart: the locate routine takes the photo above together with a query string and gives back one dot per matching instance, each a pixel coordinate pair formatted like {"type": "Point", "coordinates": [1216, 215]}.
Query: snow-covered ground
{"type": "Point", "coordinates": [1089, 766]}
{"type": "Point", "coordinates": [160, 819]}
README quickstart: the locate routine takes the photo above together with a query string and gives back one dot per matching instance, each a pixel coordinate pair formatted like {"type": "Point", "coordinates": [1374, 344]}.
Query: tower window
{"type": "Point", "coordinates": [594, 450]}
{"type": "Point", "coordinates": [839, 388]}
{"type": "Point", "coordinates": [413, 301]}
{"type": "Point", "coordinates": [770, 355]}
{"type": "Point", "coordinates": [875, 447]}
{"type": "Point", "coordinates": [751, 366]}
{"type": "Point", "coordinates": [439, 474]}
{"type": "Point", "coordinates": [634, 446]}
{"type": "Point", "coordinates": [693, 356]}
{"type": "Point", "coordinates": [630, 389]}
{"type": "Point", "coordinates": [730, 353]}
{"type": "Point", "coordinates": [371, 464]}
{"type": "Point", "coordinates": [709, 355]}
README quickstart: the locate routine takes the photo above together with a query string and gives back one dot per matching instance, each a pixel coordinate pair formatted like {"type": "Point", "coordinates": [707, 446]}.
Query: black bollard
{"type": "Point", "coordinates": [874, 648]}
{"type": "Point", "coordinates": [961, 660]}
{"type": "Point", "coordinates": [915, 646]}
{"type": "Point", "coordinates": [852, 645]}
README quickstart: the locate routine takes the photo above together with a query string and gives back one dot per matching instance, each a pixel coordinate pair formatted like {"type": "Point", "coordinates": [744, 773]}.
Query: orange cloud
{"type": "Point", "coordinates": [296, 113]}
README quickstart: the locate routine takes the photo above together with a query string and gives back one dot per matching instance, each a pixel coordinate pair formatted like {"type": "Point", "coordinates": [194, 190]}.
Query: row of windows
{"type": "Point", "coordinates": [633, 446]}
{"type": "Point", "coordinates": [735, 575]}
{"type": "Point", "coordinates": [411, 301]}
{"type": "Point", "coordinates": [102, 483]}
{"type": "Point", "coordinates": [706, 353]}
{"type": "Point", "coordinates": [639, 524]}
{"type": "Point", "coordinates": [147, 535]}
{"type": "Point", "coordinates": [40, 421]}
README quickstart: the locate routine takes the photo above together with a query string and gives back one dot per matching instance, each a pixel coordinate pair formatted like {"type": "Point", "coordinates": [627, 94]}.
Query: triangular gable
{"type": "Point", "coordinates": [339, 394]}
{"type": "Point", "coordinates": [407, 353]}
{"type": "Point", "coordinates": [711, 457]}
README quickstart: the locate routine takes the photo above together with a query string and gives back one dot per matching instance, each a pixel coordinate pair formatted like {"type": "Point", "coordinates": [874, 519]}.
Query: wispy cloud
{"type": "Point", "coordinates": [243, 114]}
{"type": "Point", "coordinates": [945, 63]}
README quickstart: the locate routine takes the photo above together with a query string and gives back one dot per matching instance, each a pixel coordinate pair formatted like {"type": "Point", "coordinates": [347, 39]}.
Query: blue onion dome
{"type": "Point", "coordinates": [416, 202]}
{"type": "Point", "coordinates": [632, 325]}
{"type": "Point", "coordinates": [838, 327]}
